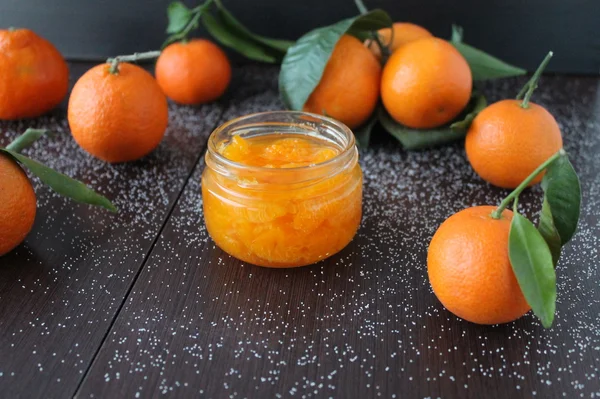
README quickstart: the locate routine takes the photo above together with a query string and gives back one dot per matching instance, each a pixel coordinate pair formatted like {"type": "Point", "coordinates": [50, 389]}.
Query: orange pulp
{"type": "Point", "coordinates": [280, 222]}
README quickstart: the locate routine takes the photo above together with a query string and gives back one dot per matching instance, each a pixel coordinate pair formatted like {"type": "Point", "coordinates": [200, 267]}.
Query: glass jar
{"type": "Point", "coordinates": [283, 217]}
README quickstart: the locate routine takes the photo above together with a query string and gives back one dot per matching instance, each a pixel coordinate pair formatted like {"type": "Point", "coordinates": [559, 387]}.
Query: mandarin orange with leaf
{"type": "Point", "coordinates": [469, 267]}
{"type": "Point", "coordinates": [349, 88]}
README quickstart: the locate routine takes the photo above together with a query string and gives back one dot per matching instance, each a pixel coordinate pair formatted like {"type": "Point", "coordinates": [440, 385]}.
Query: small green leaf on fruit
{"type": "Point", "coordinates": [62, 184]}
{"type": "Point", "coordinates": [563, 193]}
{"type": "Point", "coordinates": [532, 264]}
{"type": "Point", "coordinates": [477, 104]}
{"type": "Point", "coordinates": [179, 17]}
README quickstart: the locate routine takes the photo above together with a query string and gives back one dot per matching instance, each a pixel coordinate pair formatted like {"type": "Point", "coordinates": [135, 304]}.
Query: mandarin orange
{"type": "Point", "coordinates": [118, 117]}
{"type": "Point", "coordinates": [17, 205]}
{"type": "Point", "coordinates": [193, 72]}
{"type": "Point", "coordinates": [34, 77]}
{"type": "Point", "coordinates": [426, 83]}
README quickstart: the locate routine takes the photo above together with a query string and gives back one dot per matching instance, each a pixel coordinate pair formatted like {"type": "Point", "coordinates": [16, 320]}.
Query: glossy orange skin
{"type": "Point", "coordinates": [426, 83]}
{"type": "Point", "coordinates": [195, 72]}
{"type": "Point", "coordinates": [469, 268]}
{"type": "Point", "coordinates": [506, 142]}
{"type": "Point", "coordinates": [118, 117]}
{"type": "Point", "coordinates": [404, 32]}
{"type": "Point", "coordinates": [17, 205]}
{"type": "Point", "coordinates": [34, 77]}
{"type": "Point", "coordinates": [349, 88]}
{"type": "Point", "coordinates": [279, 226]}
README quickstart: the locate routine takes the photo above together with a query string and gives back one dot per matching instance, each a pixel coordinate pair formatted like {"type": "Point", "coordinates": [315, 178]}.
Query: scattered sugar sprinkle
{"type": "Point", "coordinates": [363, 323]}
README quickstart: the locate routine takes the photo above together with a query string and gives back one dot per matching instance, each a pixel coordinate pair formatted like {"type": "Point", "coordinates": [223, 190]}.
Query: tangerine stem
{"type": "Point", "coordinates": [192, 24]}
{"type": "Point", "coordinates": [361, 6]}
{"type": "Point", "coordinates": [12, 29]}
{"type": "Point", "coordinates": [26, 139]}
{"type": "Point", "coordinates": [515, 194]}
{"type": "Point", "coordinates": [531, 85]}
{"type": "Point", "coordinates": [114, 62]}
{"type": "Point", "coordinates": [457, 34]}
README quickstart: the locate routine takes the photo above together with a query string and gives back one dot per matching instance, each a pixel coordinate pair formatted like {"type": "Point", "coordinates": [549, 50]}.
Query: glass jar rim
{"type": "Point", "coordinates": [348, 149]}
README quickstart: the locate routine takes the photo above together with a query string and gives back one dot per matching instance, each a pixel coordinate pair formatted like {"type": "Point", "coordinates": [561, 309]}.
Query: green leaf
{"type": "Point", "coordinates": [26, 139]}
{"type": "Point", "coordinates": [549, 232]}
{"type": "Point", "coordinates": [179, 17]}
{"type": "Point", "coordinates": [62, 184]}
{"type": "Point", "coordinates": [363, 133]}
{"type": "Point", "coordinates": [563, 193]}
{"type": "Point", "coordinates": [483, 66]}
{"type": "Point", "coordinates": [531, 261]}
{"type": "Point", "coordinates": [417, 139]}
{"type": "Point", "coordinates": [304, 62]}
{"type": "Point", "coordinates": [244, 45]}
{"type": "Point", "coordinates": [238, 29]}
{"type": "Point", "coordinates": [477, 103]}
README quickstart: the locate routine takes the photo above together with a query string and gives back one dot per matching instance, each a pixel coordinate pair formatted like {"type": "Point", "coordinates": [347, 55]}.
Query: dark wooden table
{"type": "Point", "coordinates": [142, 303]}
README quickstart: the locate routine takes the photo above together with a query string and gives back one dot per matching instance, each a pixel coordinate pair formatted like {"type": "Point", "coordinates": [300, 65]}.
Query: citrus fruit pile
{"type": "Point", "coordinates": [486, 264]}
{"type": "Point", "coordinates": [423, 83]}
{"type": "Point", "coordinates": [34, 79]}
{"type": "Point", "coordinates": [489, 265]}
{"type": "Point", "coordinates": [117, 111]}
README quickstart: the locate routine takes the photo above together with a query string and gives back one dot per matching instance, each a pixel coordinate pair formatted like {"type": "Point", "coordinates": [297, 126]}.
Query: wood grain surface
{"type": "Point", "coordinates": [76, 318]}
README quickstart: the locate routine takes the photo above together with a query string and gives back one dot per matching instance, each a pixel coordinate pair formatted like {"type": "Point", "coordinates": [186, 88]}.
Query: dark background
{"type": "Point", "coordinates": [518, 31]}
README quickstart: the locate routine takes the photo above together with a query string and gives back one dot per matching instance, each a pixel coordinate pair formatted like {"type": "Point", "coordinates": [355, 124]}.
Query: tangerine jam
{"type": "Point", "coordinates": [282, 189]}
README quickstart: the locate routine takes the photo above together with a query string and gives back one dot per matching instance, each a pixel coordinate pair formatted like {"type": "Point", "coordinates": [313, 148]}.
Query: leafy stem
{"type": "Point", "coordinates": [26, 139]}
{"type": "Point", "coordinates": [135, 57]}
{"type": "Point", "coordinates": [361, 6]}
{"type": "Point", "coordinates": [192, 23]}
{"type": "Point", "coordinates": [385, 50]}
{"type": "Point", "coordinates": [532, 84]}
{"type": "Point", "coordinates": [62, 184]}
{"type": "Point", "coordinates": [515, 194]}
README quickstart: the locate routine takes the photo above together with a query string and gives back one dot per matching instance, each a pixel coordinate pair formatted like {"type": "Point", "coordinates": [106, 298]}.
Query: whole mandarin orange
{"type": "Point", "coordinates": [17, 205]}
{"type": "Point", "coordinates": [34, 77]}
{"type": "Point", "coordinates": [349, 88]}
{"type": "Point", "coordinates": [117, 117]}
{"type": "Point", "coordinates": [469, 267]}
{"type": "Point", "coordinates": [403, 32]}
{"type": "Point", "coordinates": [426, 83]}
{"type": "Point", "coordinates": [193, 72]}
{"type": "Point", "coordinates": [506, 142]}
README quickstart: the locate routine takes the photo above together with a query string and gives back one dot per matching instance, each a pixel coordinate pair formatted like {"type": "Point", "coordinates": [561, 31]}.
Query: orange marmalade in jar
{"type": "Point", "coordinates": [282, 189]}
